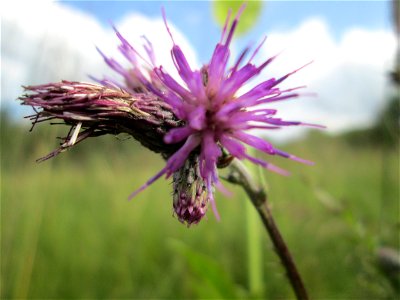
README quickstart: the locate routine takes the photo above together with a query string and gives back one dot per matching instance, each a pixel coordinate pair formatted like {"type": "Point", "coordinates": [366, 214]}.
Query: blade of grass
{"type": "Point", "coordinates": [254, 247]}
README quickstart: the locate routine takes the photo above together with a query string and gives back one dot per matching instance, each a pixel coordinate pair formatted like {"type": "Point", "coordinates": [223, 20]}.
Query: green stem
{"type": "Point", "coordinates": [240, 175]}
{"type": "Point", "coordinates": [254, 251]}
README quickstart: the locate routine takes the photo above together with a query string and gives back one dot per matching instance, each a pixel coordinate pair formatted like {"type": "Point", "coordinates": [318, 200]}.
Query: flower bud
{"type": "Point", "coordinates": [190, 200]}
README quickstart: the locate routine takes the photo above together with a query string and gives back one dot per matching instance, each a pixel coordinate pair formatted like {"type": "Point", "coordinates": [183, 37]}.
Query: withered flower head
{"type": "Point", "coordinates": [93, 110]}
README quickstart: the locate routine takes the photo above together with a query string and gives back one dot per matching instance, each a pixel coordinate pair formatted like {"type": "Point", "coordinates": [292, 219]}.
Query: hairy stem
{"type": "Point", "coordinates": [240, 175]}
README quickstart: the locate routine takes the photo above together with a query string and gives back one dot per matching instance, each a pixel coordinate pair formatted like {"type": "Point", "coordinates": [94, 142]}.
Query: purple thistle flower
{"type": "Point", "coordinates": [215, 115]}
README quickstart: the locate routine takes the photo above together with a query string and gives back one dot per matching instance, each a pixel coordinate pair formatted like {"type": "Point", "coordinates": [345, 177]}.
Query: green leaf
{"type": "Point", "coordinates": [247, 20]}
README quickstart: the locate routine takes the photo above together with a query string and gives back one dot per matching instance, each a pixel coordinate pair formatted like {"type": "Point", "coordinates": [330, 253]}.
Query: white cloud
{"type": "Point", "coordinates": [48, 42]}
{"type": "Point", "coordinates": [350, 76]}
{"type": "Point", "coordinates": [134, 26]}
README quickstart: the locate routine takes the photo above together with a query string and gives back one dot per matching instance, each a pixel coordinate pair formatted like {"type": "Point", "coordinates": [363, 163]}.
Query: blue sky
{"type": "Point", "coordinates": [352, 45]}
{"type": "Point", "coordinates": [195, 18]}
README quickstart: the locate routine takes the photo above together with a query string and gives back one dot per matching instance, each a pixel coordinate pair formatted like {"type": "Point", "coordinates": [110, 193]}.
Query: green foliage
{"type": "Point", "coordinates": [67, 230]}
{"type": "Point", "coordinates": [385, 132]}
{"type": "Point", "coordinates": [387, 129]}
{"type": "Point", "coordinates": [211, 280]}
{"type": "Point", "coordinates": [247, 20]}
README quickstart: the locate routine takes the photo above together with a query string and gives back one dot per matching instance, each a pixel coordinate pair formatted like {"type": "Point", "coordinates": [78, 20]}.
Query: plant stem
{"type": "Point", "coordinates": [240, 175]}
{"type": "Point", "coordinates": [254, 251]}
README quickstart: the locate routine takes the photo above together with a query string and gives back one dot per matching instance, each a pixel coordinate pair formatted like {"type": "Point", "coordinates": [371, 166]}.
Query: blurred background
{"type": "Point", "coordinates": [67, 230]}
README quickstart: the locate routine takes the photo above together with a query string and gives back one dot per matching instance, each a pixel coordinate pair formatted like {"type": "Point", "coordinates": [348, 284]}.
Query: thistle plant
{"type": "Point", "coordinates": [197, 126]}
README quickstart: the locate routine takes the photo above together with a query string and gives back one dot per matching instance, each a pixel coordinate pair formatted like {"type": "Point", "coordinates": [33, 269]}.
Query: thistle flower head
{"type": "Point", "coordinates": [216, 116]}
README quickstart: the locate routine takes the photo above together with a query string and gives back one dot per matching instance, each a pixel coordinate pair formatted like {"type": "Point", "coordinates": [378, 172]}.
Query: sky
{"type": "Point", "coordinates": [196, 19]}
{"type": "Point", "coordinates": [351, 44]}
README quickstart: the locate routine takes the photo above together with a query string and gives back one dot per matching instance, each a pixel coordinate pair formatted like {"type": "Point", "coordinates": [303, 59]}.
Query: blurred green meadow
{"type": "Point", "coordinates": [68, 231]}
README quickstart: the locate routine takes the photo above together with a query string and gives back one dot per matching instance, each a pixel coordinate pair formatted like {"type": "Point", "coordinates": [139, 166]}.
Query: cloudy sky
{"type": "Point", "coordinates": [352, 46]}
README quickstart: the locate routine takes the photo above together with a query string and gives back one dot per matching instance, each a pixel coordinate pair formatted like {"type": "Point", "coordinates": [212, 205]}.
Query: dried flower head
{"type": "Point", "coordinates": [215, 115]}
{"type": "Point", "coordinates": [93, 110]}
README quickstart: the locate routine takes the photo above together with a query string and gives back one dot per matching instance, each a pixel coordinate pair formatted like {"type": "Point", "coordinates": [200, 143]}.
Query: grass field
{"type": "Point", "coordinates": [67, 230]}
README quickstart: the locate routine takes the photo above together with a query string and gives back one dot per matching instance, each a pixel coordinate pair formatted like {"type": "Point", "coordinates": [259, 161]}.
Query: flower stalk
{"type": "Point", "coordinates": [240, 175]}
